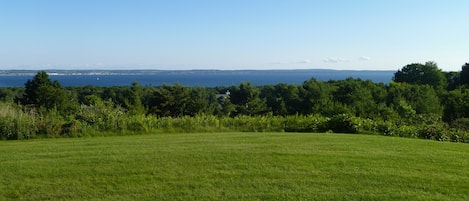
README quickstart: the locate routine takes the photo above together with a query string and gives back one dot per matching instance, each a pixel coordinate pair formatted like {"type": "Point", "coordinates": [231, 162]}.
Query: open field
{"type": "Point", "coordinates": [234, 166]}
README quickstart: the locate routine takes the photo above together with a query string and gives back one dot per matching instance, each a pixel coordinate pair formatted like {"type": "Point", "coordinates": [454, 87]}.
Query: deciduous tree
{"type": "Point", "coordinates": [417, 73]}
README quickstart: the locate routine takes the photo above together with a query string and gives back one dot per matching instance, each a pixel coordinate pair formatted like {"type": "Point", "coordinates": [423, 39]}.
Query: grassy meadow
{"type": "Point", "coordinates": [234, 166]}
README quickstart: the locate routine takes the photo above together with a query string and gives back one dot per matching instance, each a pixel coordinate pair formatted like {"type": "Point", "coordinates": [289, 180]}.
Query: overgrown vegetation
{"type": "Point", "coordinates": [421, 102]}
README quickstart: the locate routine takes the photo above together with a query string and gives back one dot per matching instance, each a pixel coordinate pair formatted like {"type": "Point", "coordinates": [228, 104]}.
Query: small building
{"type": "Point", "coordinates": [221, 97]}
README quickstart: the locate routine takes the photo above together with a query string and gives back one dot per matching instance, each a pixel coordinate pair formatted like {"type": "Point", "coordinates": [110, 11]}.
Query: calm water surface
{"type": "Point", "coordinates": [204, 78]}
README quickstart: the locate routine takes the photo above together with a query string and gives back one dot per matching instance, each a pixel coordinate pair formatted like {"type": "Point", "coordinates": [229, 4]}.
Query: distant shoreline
{"type": "Point", "coordinates": [203, 78]}
{"type": "Point", "coordinates": [54, 72]}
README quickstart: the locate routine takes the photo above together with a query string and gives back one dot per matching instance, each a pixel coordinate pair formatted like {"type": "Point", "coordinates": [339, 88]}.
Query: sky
{"type": "Point", "coordinates": [233, 34]}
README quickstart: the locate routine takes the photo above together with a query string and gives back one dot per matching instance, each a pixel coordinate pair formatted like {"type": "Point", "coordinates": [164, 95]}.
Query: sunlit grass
{"type": "Point", "coordinates": [234, 166]}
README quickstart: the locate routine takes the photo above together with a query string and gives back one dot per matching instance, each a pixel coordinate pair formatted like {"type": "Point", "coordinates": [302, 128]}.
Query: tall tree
{"type": "Point", "coordinates": [422, 98]}
{"type": "Point", "coordinates": [356, 95]}
{"type": "Point", "coordinates": [316, 98]}
{"type": "Point", "coordinates": [202, 101]}
{"type": "Point", "coordinates": [43, 93]}
{"type": "Point", "coordinates": [456, 104]}
{"type": "Point", "coordinates": [170, 100]}
{"type": "Point", "coordinates": [133, 101]}
{"type": "Point", "coordinates": [282, 99]}
{"type": "Point", "coordinates": [417, 73]}
{"type": "Point", "coordinates": [464, 75]}
{"type": "Point", "coordinates": [247, 100]}
{"type": "Point", "coordinates": [454, 80]}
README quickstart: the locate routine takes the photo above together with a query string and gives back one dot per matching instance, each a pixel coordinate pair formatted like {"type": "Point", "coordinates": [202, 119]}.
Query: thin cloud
{"type": "Point", "coordinates": [336, 60]}
{"type": "Point", "coordinates": [305, 61]}
{"type": "Point", "coordinates": [365, 58]}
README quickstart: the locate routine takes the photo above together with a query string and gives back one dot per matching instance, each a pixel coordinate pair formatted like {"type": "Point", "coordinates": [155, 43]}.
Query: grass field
{"type": "Point", "coordinates": [234, 166]}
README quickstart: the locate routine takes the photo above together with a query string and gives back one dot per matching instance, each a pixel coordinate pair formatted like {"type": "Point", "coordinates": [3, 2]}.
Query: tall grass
{"type": "Point", "coordinates": [25, 123]}
{"type": "Point", "coordinates": [16, 123]}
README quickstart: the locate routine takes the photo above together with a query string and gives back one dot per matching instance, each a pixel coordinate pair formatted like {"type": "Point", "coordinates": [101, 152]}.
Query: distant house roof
{"type": "Point", "coordinates": [225, 95]}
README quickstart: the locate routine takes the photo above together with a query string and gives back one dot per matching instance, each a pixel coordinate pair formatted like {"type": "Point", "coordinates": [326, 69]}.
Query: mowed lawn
{"type": "Point", "coordinates": [234, 166]}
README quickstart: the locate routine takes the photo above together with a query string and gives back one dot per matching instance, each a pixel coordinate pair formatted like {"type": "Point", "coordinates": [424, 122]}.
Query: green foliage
{"type": "Point", "coordinates": [454, 80]}
{"type": "Point", "coordinates": [101, 115]}
{"type": "Point", "coordinates": [405, 107]}
{"type": "Point", "coordinates": [170, 101]}
{"type": "Point", "coordinates": [461, 124]}
{"type": "Point", "coordinates": [456, 104]}
{"type": "Point", "coordinates": [421, 98]}
{"type": "Point", "coordinates": [46, 95]}
{"type": "Point", "coordinates": [225, 108]}
{"type": "Point", "coordinates": [310, 123]}
{"type": "Point", "coordinates": [133, 101]}
{"type": "Point", "coordinates": [247, 100]}
{"type": "Point", "coordinates": [422, 74]}
{"type": "Point", "coordinates": [316, 98]}
{"type": "Point", "coordinates": [464, 75]}
{"type": "Point", "coordinates": [356, 95]}
{"type": "Point", "coordinates": [51, 124]}
{"type": "Point", "coordinates": [343, 123]}
{"type": "Point", "coordinates": [282, 99]}
{"type": "Point", "coordinates": [16, 124]}
{"type": "Point", "coordinates": [10, 94]}
{"type": "Point", "coordinates": [135, 123]}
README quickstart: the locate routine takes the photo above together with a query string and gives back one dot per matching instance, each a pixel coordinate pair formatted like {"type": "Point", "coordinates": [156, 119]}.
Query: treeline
{"type": "Point", "coordinates": [421, 101]}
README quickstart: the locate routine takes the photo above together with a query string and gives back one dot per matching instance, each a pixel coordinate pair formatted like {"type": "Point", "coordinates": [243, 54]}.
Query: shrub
{"type": "Point", "coordinates": [434, 132]}
{"type": "Point", "coordinates": [16, 124]}
{"type": "Point", "coordinates": [136, 123]}
{"type": "Point", "coordinates": [72, 128]}
{"type": "Point", "coordinates": [310, 123]}
{"type": "Point", "coordinates": [51, 124]}
{"type": "Point", "coordinates": [102, 117]}
{"type": "Point", "coordinates": [343, 123]}
{"type": "Point", "coordinates": [461, 124]}
{"type": "Point", "coordinates": [365, 125]}
{"type": "Point", "coordinates": [406, 131]}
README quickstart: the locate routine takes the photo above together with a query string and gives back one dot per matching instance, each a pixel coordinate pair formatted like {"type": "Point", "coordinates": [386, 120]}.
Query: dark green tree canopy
{"type": "Point", "coordinates": [170, 101]}
{"type": "Point", "coordinates": [464, 75]}
{"type": "Point", "coordinates": [427, 73]}
{"type": "Point", "coordinates": [43, 93]}
{"type": "Point", "coordinates": [247, 99]}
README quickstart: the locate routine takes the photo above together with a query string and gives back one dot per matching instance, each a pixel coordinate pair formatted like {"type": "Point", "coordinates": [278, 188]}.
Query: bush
{"type": "Point", "coordinates": [102, 117]}
{"type": "Point", "coordinates": [406, 131]}
{"type": "Point", "coordinates": [434, 132]}
{"type": "Point", "coordinates": [106, 119]}
{"type": "Point", "coordinates": [51, 124]}
{"type": "Point", "coordinates": [72, 128]}
{"type": "Point", "coordinates": [310, 123]}
{"type": "Point", "coordinates": [461, 124]}
{"type": "Point", "coordinates": [16, 124]}
{"type": "Point", "coordinates": [343, 123]}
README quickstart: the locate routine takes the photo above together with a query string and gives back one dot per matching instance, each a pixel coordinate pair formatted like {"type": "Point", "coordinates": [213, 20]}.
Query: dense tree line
{"type": "Point", "coordinates": [418, 92]}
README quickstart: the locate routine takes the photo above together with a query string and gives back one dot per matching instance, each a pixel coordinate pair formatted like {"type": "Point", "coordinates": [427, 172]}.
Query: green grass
{"type": "Point", "coordinates": [234, 166]}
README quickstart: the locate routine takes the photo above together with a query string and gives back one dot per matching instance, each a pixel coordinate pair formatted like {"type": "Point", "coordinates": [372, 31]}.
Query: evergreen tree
{"type": "Point", "coordinates": [170, 101]}
{"type": "Point", "coordinates": [133, 101]}
{"type": "Point", "coordinates": [464, 75]}
{"type": "Point", "coordinates": [42, 93]}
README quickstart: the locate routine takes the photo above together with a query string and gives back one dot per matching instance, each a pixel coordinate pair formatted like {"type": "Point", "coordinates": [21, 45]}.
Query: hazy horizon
{"type": "Point", "coordinates": [179, 69]}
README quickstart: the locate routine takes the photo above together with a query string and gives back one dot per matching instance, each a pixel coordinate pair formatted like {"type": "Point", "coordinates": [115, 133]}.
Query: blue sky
{"type": "Point", "coordinates": [233, 34]}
